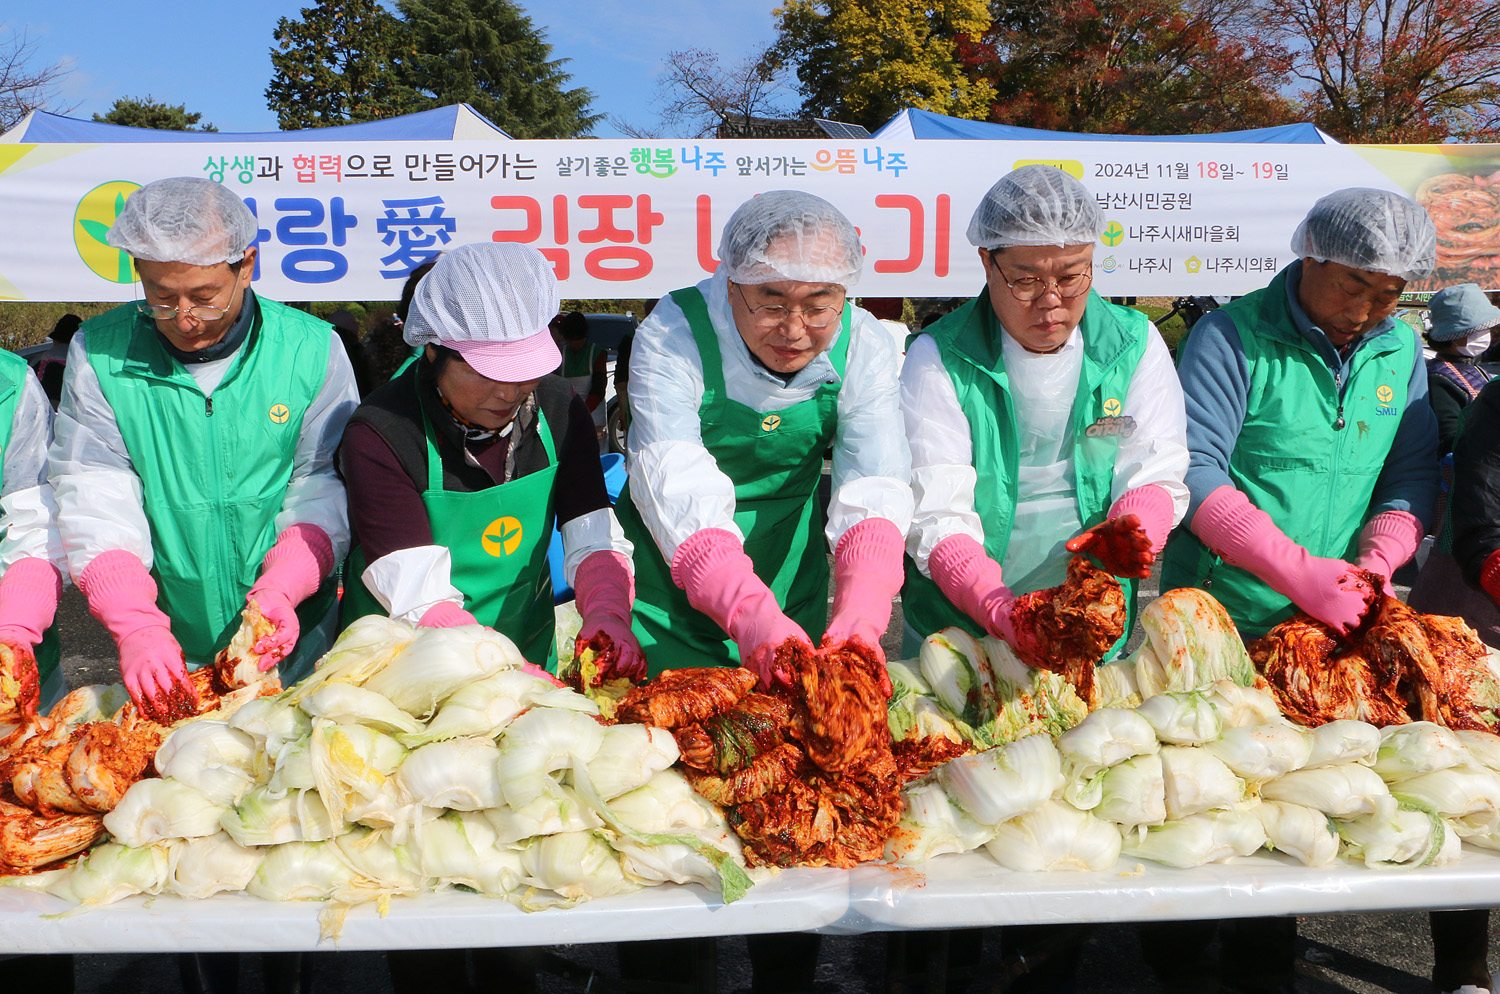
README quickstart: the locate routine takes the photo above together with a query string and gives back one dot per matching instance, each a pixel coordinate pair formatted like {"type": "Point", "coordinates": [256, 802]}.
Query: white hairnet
{"type": "Point", "coordinates": [1374, 230]}
{"type": "Point", "coordinates": [1036, 205]}
{"type": "Point", "coordinates": [790, 235]}
{"type": "Point", "coordinates": [485, 292]}
{"type": "Point", "coordinates": [184, 219]}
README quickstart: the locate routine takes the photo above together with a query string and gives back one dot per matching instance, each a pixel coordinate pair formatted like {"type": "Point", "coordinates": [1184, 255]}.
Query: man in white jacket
{"type": "Point", "coordinates": [193, 460]}
{"type": "Point", "coordinates": [739, 386]}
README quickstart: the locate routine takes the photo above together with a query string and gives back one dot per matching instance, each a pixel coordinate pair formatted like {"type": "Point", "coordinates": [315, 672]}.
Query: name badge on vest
{"type": "Point", "coordinates": [1112, 424]}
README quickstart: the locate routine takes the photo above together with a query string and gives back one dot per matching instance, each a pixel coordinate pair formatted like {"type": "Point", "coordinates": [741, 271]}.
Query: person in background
{"type": "Point", "coordinates": [888, 310]}
{"type": "Point", "coordinates": [1313, 458]}
{"type": "Point", "coordinates": [458, 467]}
{"type": "Point", "coordinates": [583, 365]}
{"type": "Point", "coordinates": [1463, 323]}
{"type": "Point", "coordinates": [347, 328]}
{"type": "Point", "coordinates": [386, 349]}
{"type": "Point", "coordinates": [193, 459]}
{"type": "Point", "coordinates": [52, 363]}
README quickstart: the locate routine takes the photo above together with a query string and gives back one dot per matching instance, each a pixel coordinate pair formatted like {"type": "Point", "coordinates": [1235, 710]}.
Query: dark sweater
{"type": "Point", "coordinates": [383, 459]}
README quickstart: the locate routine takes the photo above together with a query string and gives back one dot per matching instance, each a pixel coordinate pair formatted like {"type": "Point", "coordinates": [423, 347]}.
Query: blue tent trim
{"type": "Point", "coordinates": [440, 124]}
{"type": "Point", "coordinates": [924, 124]}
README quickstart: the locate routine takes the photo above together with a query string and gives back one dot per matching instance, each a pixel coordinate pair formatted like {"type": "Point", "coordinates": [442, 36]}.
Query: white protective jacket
{"type": "Point", "coordinates": [676, 484]}
{"type": "Point", "coordinates": [28, 509]}
{"type": "Point", "coordinates": [943, 474]}
{"type": "Point", "coordinates": [99, 496]}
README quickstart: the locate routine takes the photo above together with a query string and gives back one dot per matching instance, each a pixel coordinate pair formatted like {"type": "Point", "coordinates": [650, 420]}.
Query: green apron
{"type": "Point", "coordinates": [13, 373]}
{"type": "Point", "coordinates": [1309, 453]}
{"type": "Point", "coordinates": [775, 459]}
{"type": "Point", "coordinates": [969, 341]}
{"type": "Point", "coordinates": [497, 539]}
{"type": "Point", "coordinates": [214, 470]}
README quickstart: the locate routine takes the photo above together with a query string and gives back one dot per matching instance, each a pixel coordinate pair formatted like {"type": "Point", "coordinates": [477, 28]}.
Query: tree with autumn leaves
{"type": "Point", "coordinates": [1363, 70]}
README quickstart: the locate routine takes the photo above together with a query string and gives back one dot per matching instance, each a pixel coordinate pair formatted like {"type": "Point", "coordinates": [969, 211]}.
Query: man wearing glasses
{"type": "Point", "coordinates": [739, 386]}
{"type": "Point", "coordinates": [1314, 452]}
{"type": "Point", "coordinates": [193, 452]}
{"type": "Point", "coordinates": [1043, 420]}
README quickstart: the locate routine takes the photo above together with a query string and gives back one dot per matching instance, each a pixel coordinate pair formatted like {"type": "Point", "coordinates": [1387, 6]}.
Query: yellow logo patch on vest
{"type": "Point", "coordinates": [770, 422]}
{"type": "Point", "coordinates": [1385, 395]}
{"type": "Point", "coordinates": [502, 536]}
{"type": "Point", "coordinates": [279, 413]}
{"type": "Point", "coordinates": [1112, 408]}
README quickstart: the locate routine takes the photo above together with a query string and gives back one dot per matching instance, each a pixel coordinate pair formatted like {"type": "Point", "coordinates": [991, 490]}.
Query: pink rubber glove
{"type": "Point", "coordinates": [1245, 536]}
{"type": "Point", "coordinates": [1131, 536]}
{"type": "Point", "coordinates": [711, 566]}
{"type": "Point", "coordinates": [29, 591]}
{"type": "Point", "coordinates": [605, 593]}
{"type": "Point", "coordinates": [446, 614]}
{"type": "Point", "coordinates": [122, 596]}
{"type": "Point", "coordinates": [867, 576]}
{"type": "Point", "coordinates": [1386, 542]}
{"type": "Point", "coordinates": [973, 582]}
{"type": "Point", "coordinates": [1489, 576]}
{"type": "Point", "coordinates": [292, 571]}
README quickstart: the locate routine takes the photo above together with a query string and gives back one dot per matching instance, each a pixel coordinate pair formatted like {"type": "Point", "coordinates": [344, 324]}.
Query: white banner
{"type": "Point", "coordinates": [349, 220]}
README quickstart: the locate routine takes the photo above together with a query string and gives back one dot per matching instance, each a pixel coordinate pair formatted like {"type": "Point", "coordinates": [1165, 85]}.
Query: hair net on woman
{"type": "Point", "coordinates": [1374, 230]}
{"type": "Point", "coordinates": [1036, 205]}
{"type": "Point", "coordinates": [490, 302]}
{"type": "Point", "coordinates": [790, 235]}
{"type": "Point", "coordinates": [184, 219]}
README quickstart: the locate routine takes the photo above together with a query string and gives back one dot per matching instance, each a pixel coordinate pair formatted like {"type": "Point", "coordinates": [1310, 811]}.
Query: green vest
{"type": "Point", "coordinates": [775, 459]}
{"type": "Point", "coordinates": [13, 374]}
{"type": "Point", "coordinates": [1305, 457]}
{"type": "Point", "coordinates": [213, 471]}
{"type": "Point", "coordinates": [579, 363]}
{"type": "Point", "coordinates": [969, 342]}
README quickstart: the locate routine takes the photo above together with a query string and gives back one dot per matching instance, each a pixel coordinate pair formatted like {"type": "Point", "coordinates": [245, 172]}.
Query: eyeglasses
{"type": "Point", "coordinates": [815, 318]}
{"type": "Point", "coordinates": [163, 312]}
{"type": "Point", "coordinates": [1029, 288]}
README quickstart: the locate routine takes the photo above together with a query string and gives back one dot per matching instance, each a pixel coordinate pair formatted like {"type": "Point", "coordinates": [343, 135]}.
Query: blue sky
{"type": "Point", "coordinates": [215, 57]}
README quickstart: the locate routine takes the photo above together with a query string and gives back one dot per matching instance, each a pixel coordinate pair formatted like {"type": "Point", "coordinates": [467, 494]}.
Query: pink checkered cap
{"type": "Point", "coordinates": [517, 361]}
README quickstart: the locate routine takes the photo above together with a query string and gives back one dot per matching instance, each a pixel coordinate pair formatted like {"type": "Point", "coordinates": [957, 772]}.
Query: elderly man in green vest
{"type": "Point", "coordinates": [1314, 458]}
{"type": "Point", "coordinates": [193, 454]}
{"type": "Point", "coordinates": [1043, 421]}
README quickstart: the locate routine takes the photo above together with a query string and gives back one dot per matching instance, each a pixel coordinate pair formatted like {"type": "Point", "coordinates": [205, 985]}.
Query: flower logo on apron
{"type": "Point", "coordinates": [1112, 407]}
{"type": "Point", "coordinates": [502, 536]}
{"type": "Point", "coordinates": [279, 414]}
{"type": "Point", "coordinates": [770, 422]}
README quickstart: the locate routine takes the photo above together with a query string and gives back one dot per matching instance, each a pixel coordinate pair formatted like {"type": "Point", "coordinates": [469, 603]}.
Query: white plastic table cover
{"type": "Point", "coordinates": [972, 889]}
{"type": "Point", "coordinates": [948, 892]}
{"type": "Point", "coordinates": [795, 900]}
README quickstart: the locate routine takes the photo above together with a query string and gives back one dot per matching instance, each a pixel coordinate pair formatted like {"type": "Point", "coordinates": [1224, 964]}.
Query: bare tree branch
{"type": "Point", "coordinates": [697, 92]}
{"type": "Point", "coordinates": [23, 87]}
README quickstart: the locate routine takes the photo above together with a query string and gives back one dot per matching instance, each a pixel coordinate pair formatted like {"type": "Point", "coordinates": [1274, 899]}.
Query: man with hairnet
{"type": "Point", "coordinates": [739, 385]}
{"type": "Point", "coordinates": [1043, 420]}
{"type": "Point", "coordinates": [1313, 444]}
{"type": "Point", "coordinates": [193, 459]}
{"type": "Point", "coordinates": [1313, 457]}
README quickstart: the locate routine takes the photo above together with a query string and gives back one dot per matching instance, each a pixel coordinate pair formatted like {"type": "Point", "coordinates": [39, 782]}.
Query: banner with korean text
{"type": "Point", "coordinates": [625, 219]}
